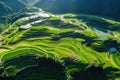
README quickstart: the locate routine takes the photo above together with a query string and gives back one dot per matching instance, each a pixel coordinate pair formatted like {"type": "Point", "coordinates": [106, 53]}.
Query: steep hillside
{"type": "Point", "coordinates": [7, 7]}
{"type": "Point", "coordinates": [4, 9]}
{"type": "Point", "coordinates": [44, 46]}
{"type": "Point", "coordinates": [109, 8]}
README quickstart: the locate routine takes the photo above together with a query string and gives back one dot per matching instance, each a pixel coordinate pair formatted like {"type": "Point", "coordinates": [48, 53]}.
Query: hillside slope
{"type": "Point", "coordinates": [109, 8]}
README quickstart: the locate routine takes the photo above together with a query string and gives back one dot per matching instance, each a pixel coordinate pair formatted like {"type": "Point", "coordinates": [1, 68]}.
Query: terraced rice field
{"type": "Point", "coordinates": [57, 47]}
